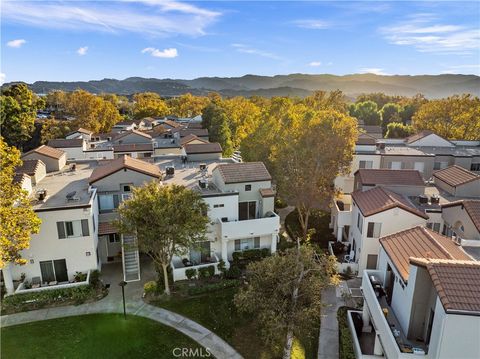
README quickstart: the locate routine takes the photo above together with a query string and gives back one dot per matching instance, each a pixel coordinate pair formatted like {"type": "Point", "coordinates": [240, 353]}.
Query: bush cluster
{"type": "Point", "coordinates": [206, 272]}
{"type": "Point", "coordinates": [36, 300]}
{"type": "Point", "coordinates": [227, 283]}
{"type": "Point", "coordinates": [344, 336]}
{"type": "Point", "coordinates": [191, 273]}
{"type": "Point", "coordinates": [251, 254]}
{"type": "Point", "coordinates": [233, 272]}
{"type": "Point", "coordinates": [150, 288]}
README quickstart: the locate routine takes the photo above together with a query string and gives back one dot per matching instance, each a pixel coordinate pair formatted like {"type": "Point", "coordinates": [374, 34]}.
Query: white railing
{"type": "Point", "coordinates": [341, 266]}
{"type": "Point", "coordinates": [21, 288]}
{"type": "Point", "coordinates": [179, 271]}
{"type": "Point", "coordinates": [250, 227]}
{"type": "Point", "coordinates": [356, 344]}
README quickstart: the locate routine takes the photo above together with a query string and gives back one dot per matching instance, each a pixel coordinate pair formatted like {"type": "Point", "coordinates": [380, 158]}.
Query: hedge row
{"type": "Point", "coordinates": [226, 283]}
{"type": "Point", "coordinates": [345, 339]}
{"type": "Point", "coordinates": [251, 254]}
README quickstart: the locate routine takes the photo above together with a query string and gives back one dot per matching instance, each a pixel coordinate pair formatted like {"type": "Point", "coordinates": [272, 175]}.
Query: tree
{"type": "Point", "coordinates": [390, 113]}
{"type": "Point", "coordinates": [216, 119]}
{"type": "Point", "coordinates": [367, 112]}
{"type": "Point", "coordinates": [244, 117]}
{"type": "Point", "coordinates": [187, 105]}
{"type": "Point", "coordinates": [454, 118]}
{"type": "Point", "coordinates": [54, 129]}
{"type": "Point", "coordinates": [308, 158]}
{"type": "Point", "coordinates": [167, 221]}
{"type": "Point", "coordinates": [284, 295]}
{"type": "Point", "coordinates": [149, 104]}
{"type": "Point", "coordinates": [334, 100]}
{"type": "Point", "coordinates": [18, 221]}
{"type": "Point", "coordinates": [379, 98]}
{"type": "Point", "coordinates": [399, 130]}
{"type": "Point", "coordinates": [18, 110]}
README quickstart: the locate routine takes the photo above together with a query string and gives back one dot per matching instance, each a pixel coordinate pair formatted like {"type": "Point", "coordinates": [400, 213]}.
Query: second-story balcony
{"type": "Point", "coordinates": [342, 209]}
{"type": "Point", "coordinates": [269, 224]}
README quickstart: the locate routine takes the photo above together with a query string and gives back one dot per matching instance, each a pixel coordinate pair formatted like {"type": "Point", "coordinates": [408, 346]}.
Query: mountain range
{"type": "Point", "coordinates": [432, 86]}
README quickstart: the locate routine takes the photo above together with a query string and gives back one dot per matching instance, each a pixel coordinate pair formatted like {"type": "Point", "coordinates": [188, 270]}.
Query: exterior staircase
{"type": "Point", "coordinates": [131, 261]}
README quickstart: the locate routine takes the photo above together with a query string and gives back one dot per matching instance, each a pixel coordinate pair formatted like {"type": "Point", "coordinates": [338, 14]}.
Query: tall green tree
{"type": "Point", "coordinates": [54, 129]}
{"type": "Point", "coordinates": [399, 130]}
{"type": "Point", "coordinates": [283, 293]}
{"type": "Point", "coordinates": [18, 111]}
{"type": "Point", "coordinates": [166, 220]}
{"type": "Point", "coordinates": [217, 121]}
{"type": "Point", "coordinates": [367, 112]}
{"type": "Point", "coordinates": [390, 113]}
{"type": "Point", "coordinates": [320, 100]}
{"type": "Point", "coordinates": [18, 221]}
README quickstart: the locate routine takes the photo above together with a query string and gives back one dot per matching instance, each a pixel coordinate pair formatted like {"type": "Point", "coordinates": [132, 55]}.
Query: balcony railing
{"type": "Point", "coordinates": [42, 287]}
{"type": "Point", "coordinates": [250, 227]}
{"type": "Point", "coordinates": [178, 268]}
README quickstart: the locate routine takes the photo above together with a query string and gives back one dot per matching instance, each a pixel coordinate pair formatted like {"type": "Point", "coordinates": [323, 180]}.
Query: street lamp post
{"type": "Point", "coordinates": [123, 284]}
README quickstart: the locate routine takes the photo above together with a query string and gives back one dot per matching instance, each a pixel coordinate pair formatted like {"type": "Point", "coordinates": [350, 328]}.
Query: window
{"type": "Point", "coordinates": [373, 230]}
{"type": "Point", "coordinates": [419, 166]}
{"type": "Point", "coordinates": [108, 202]}
{"type": "Point", "coordinates": [71, 229]}
{"type": "Point", "coordinates": [218, 205]}
{"type": "Point", "coordinates": [365, 164]}
{"type": "Point", "coordinates": [247, 210]}
{"type": "Point", "coordinates": [440, 165]}
{"type": "Point", "coordinates": [55, 270]}
{"type": "Point", "coordinates": [247, 243]}
{"type": "Point", "coordinates": [372, 261]}
{"type": "Point", "coordinates": [475, 167]}
{"type": "Point", "coordinates": [395, 165]}
{"type": "Point", "coordinates": [126, 188]}
{"type": "Point", "coordinates": [248, 187]}
{"type": "Point", "coordinates": [434, 226]}
{"type": "Point", "coordinates": [359, 222]}
{"type": "Point", "coordinates": [114, 238]}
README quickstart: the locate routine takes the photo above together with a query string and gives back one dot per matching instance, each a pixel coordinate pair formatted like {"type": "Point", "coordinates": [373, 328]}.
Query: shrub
{"type": "Point", "coordinates": [211, 270]}
{"type": "Point", "coordinates": [191, 273]}
{"type": "Point", "coordinates": [227, 283]}
{"type": "Point", "coordinates": [80, 277]}
{"type": "Point", "coordinates": [221, 267]}
{"type": "Point", "coordinates": [95, 277]}
{"type": "Point", "coordinates": [252, 254]}
{"type": "Point", "coordinates": [233, 272]}
{"type": "Point", "coordinates": [206, 272]}
{"type": "Point", "coordinates": [150, 288]}
{"type": "Point", "coordinates": [265, 252]}
{"type": "Point", "coordinates": [344, 336]}
{"type": "Point", "coordinates": [236, 256]}
{"type": "Point", "coordinates": [280, 203]}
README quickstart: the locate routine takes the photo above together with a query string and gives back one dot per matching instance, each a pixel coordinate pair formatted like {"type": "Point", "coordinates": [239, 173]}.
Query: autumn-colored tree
{"type": "Point", "coordinates": [187, 105]}
{"type": "Point", "coordinates": [54, 129]}
{"type": "Point", "coordinates": [456, 117]}
{"type": "Point", "coordinates": [399, 130]}
{"type": "Point", "coordinates": [283, 294]}
{"type": "Point", "coordinates": [216, 119]}
{"type": "Point", "coordinates": [243, 116]}
{"type": "Point", "coordinates": [56, 102]}
{"type": "Point", "coordinates": [18, 110]}
{"type": "Point", "coordinates": [18, 221]}
{"type": "Point", "coordinates": [149, 104]}
{"type": "Point", "coordinates": [167, 221]}
{"type": "Point", "coordinates": [334, 100]}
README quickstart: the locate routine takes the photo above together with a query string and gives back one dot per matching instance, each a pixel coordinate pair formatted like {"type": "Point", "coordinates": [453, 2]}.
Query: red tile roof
{"type": "Point", "coordinates": [194, 148]}
{"type": "Point", "coordinates": [106, 228]}
{"type": "Point", "coordinates": [29, 167]}
{"type": "Point", "coordinates": [191, 138]}
{"type": "Point", "coordinates": [46, 151]}
{"type": "Point", "coordinates": [380, 199]}
{"type": "Point", "coordinates": [455, 176]}
{"type": "Point", "coordinates": [66, 143]}
{"type": "Point", "coordinates": [457, 283]}
{"type": "Point", "coordinates": [419, 242]}
{"type": "Point", "coordinates": [135, 132]}
{"type": "Point", "coordinates": [243, 172]}
{"type": "Point", "coordinates": [121, 163]}
{"type": "Point", "coordinates": [472, 207]}
{"type": "Point", "coordinates": [390, 177]}
{"type": "Point", "coordinates": [365, 139]}
{"type": "Point", "coordinates": [267, 192]}
{"type": "Point", "coordinates": [418, 136]}
{"type": "Point", "coordinates": [133, 147]}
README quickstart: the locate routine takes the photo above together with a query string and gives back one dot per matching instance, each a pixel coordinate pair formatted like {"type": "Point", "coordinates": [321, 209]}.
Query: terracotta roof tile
{"type": "Point", "coordinates": [106, 228]}
{"type": "Point", "coordinates": [81, 130]}
{"type": "Point", "coordinates": [173, 124]}
{"type": "Point", "coordinates": [133, 147]}
{"type": "Point", "coordinates": [455, 175]}
{"type": "Point", "coordinates": [419, 242]}
{"type": "Point", "coordinates": [457, 283]}
{"type": "Point", "coordinates": [390, 177]}
{"type": "Point", "coordinates": [133, 132]}
{"type": "Point", "coordinates": [267, 192]}
{"type": "Point", "coordinates": [29, 167]}
{"type": "Point", "coordinates": [46, 151]}
{"type": "Point", "coordinates": [200, 132]}
{"type": "Point", "coordinates": [418, 136]}
{"type": "Point", "coordinates": [472, 207]}
{"type": "Point", "coordinates": [365, 139]}
{"type": "Point", "coordinates": [380, 199]}
{"type": "Point", "coordinates": [19, 177]}
{"type": "Point", "coordinates": [243, 172]}
{"type": "Point", "coordinates": [194, 148]}
{"type": "Point", "coordinates": [65, 143]}
{"type": "Point", "coordinates": [191, 138]}
{"type": "Point", "coordinates": [124, 162]}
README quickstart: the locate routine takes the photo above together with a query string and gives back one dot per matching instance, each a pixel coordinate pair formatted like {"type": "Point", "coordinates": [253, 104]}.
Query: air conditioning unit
{"type": "Point", "coordinates": [203, 166]}
{"type": "Point", "coordinates": [170, 171]}
{"type": "Point", "coordinates": [435, 199]}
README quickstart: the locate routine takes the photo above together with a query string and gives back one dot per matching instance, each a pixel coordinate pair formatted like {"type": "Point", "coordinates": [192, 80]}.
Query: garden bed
{"type": "Point", "coordinates": [345, 340]}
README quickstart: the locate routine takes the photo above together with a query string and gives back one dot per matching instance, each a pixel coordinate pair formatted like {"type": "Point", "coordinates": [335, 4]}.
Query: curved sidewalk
{"type": "Point", "coordinates": [218, 347]}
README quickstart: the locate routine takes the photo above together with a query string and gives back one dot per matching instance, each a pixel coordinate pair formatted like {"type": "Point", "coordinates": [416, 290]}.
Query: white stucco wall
{"type": "Point", "coordinates": [431, 140]}
{"type": "Point", "coordinates": [124, 176]}
{"type": "Point", "coordinates": [51, 164]}
{"type": "Point", "coordinates": [454, 214]}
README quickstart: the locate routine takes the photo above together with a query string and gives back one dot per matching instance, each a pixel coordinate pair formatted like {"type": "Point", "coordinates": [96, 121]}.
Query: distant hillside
{"type": "Point", "coordinates": [432, 86]}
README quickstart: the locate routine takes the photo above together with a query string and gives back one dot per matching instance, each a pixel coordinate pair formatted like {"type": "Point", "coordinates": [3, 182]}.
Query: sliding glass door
{"type": "Point", "coordinates": [55, 270]}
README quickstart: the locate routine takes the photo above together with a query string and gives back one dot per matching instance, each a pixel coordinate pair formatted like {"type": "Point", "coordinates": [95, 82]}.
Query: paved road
{"type": "Point", "coordinates": [112, 303]}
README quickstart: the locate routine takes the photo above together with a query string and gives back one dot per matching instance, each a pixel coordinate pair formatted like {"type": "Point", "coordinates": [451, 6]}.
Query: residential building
{"type": "Point", "coordinates": [36, 170]}
{"type": "Point", "coordinates": [80, 133]}
{"type": "Point", "coordinates": [74, 148]}
{"type": "Point", "coordinates": [53, 158]}
{"type": "Point", "coordinates": [457, 181]}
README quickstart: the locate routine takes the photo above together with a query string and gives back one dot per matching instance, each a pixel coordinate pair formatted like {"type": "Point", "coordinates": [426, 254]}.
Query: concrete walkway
{"type": "Point", "coordinates": [328, 341]}
{"type": "Point", "coordinates": [112, 303]}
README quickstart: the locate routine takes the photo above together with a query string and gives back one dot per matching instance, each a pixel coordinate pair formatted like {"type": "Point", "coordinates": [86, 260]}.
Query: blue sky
{"type": "Point", "coordinates": [75, 40]}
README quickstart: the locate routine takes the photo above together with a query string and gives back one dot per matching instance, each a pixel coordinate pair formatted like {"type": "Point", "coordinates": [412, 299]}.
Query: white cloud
{"type": "Point", "coordinates": [16, 43]}
{"type": "Point", "coordinates": [372, 70]}
{"type": "Point", "coordinates": [420, 32]}
{"type": "Point", "coordinates": [165, 53]}
{"type": "Point", "coordinates": [253, 51]}
{"type": "Point", "coordinates": [2, 78]}
{"type": "Point", "coordinates": [152, 17]}
{"type": "Point", "coordinates": [315, 63]}
{"type": "Point", "coordinates": [82, 51]}
{"type": "Point", "coordinates": [314, 24]}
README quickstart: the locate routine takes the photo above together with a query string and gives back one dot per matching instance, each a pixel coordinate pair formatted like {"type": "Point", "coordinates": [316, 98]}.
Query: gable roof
{"type": "Point", "coordinates": [193, 148]}
{"type": "Point", "coordinates": [133, 132]}
{"type": "Point", "coordinates": [19, 178]}
{"type": "Point", "coordinates": [390, 177]}
{"type": "Point", "coordinates": [200, 132]}
{"type": "Point", "coordinates": [121, 163]}
{"type": "Point", "coordinates": [81, 130]}
{"type": "Point", "coordinates": [419, 242]}
{"type": "Point", "coordinates": [472, 207]}
{"type": "Point", "coordinates": [457, 283]}
{"type": "Point", "coordinates": [173, 124]}
{"type": "Point", "coordinates": [191, 138]}
{"type": "Point", "coordinates": [380, 199]}
{"type": "Point", "coordinates": [418, 136]}
{"type": "Point", "coordinates": [46, 151]}
{"type": "Point", "coordinates": [455, 175]}
{"type": "Point", "coordinates": [243, 172]}
{"type": "Point", "coordinates": [133, 147]}
{"type": "Point", "coordinates": [66, 143]}
{"type": "Point", "coordinates": [365, 139]}
{"type": "Point", "coordinates": [29, 167]}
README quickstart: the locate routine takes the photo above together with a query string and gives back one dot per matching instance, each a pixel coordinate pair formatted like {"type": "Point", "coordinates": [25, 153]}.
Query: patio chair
{"type": "Point", "coordinates": [36, 282]}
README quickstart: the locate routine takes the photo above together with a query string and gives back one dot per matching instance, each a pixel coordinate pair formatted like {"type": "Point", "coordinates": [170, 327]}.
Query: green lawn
{"type": "Point", "coordinates": [216, 311]}
{"type": "Point", "coordinates": [93, 336]}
